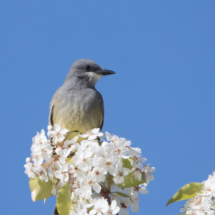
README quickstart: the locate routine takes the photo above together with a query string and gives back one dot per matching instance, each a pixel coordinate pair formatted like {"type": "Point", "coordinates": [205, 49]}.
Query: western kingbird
{"type": "Point", "coordinates": [77, 105]}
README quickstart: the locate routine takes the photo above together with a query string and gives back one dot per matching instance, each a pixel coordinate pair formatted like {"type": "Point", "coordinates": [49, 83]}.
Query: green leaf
{"type": "Point", "coordinates": [40, 189]}
{"type": "Point", "coordinates": [126, 163]}
{"type": "Point", "coordinates": [64, 200]}
{"type": "Point", "coordinates": [130, 181]}
{"type": "Point", "coordinates": [122, 194]}
{"type": "Point", "coordinates": [186, 192]}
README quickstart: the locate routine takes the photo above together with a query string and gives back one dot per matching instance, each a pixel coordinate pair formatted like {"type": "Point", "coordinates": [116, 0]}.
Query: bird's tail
{"type": "Point", "coordinates": [55, 212]}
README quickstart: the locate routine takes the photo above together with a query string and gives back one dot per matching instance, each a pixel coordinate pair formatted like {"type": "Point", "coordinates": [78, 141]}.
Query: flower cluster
{"type": "Point", "coordinates": [104, 172]}
{"type": "Point", "coordinates": [204, 203]}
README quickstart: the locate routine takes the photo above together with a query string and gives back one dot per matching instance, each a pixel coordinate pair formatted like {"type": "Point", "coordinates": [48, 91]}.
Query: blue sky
{"type": "Point", "coordinates": [161, 98]}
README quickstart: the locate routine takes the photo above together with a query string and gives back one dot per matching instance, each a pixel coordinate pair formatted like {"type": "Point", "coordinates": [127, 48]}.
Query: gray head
{"type": "Point", "coordinates": [86, 72]}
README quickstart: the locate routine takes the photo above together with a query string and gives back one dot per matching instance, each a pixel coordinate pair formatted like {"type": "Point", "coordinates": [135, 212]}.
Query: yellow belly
{"type": "Point", "coordinates": [77, 117]}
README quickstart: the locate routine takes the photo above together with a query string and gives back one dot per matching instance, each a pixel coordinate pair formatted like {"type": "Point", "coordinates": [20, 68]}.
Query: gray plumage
{"type": "Point", "coordinates": [77, 105]}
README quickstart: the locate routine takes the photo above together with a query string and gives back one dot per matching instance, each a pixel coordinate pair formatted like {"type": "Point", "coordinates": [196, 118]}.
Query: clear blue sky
{"type": "Point", "coordinates": [161, 98]}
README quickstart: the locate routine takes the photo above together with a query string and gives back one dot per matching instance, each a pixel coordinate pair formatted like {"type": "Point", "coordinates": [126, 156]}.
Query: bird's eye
{"type": "Point", "coordinates": [88, 68]}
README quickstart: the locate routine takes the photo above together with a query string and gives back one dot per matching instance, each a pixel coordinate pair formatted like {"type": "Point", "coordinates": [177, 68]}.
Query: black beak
{"type": "Point", "coordinates": [104, 72]}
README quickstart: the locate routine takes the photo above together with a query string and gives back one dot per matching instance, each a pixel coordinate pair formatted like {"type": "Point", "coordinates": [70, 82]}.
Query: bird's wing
{"type": "Point", "coordinates": [102, 107]}
{"type": "Point", "coordinates": [51, 107]}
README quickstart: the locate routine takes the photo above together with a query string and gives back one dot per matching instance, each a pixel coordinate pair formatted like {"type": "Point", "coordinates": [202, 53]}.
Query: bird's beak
{"type": "Point", "coordinates": [104, 72]}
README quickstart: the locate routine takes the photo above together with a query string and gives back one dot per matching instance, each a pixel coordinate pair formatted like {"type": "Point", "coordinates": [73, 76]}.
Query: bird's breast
{"type": "Point", "coordinates": [77, 110]}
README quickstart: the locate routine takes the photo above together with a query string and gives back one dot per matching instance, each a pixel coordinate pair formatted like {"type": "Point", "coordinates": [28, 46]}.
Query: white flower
{"type": "Point", "coordinates": [120, 174]}
{"type": "Point", "coordinates": [138, 161]}
{"type": "Point", "coordinates": [37, 158]}
{"type": "Point", "coordinates": [120, 147]}
{"type": "Point", "coordinates": [91, 147]}
{"type": "Point", "coordinates": [134, 207]}
{"type": "Point", "coordinates": [143, 190]}
{"type": "Point", "coordinates": [78, 171]}
{"type": "Point", "coordinates": [40, 148]}
{"type": "Point", "coordinates": [46, 151]}
{"type": "Point", "coordinates": [133, 202]}
{"type": "Point", "coordinates": [138, 174]}
{"type": "Point", "coordinates": [62, 172]}
{"type": "Point", "coordinates": [98, 174]}
{"type": "Point", "coordinates": [203, 202]}
{"type": "Point", "coordinates": [132, 192]}
{"type": "Point", "coordinates": [92, 168]}
{"type": "Point", "coordinates": [101, 206]}
{"type": "Point", "coordinates": [29, 169]}
{"type": "Point", "coordinates": [148, 170]}
{"type": "Point", "coordinates": [210, 213]}
{"type": "Point", "coordinates": [134, 151]}
{"type": "Point", "coordinates": [57, 133]}
{"type": "Point", "coordinates": [42, 174]}
{"type": "Point", "coordinates": [79, 211]}
{"type": "Point", "coordinates": [98, 161]}
{"type": "Point", "coordinates": [93, 134]}
{"type": "Point", "coordinates": [113, 209]}
{"type": "Point", "coordinates": [59, 151]}
{"type": "Point", "coordinates": [85, 194]}
{"type": "Point", "coordinates": [123, 211]}
{"type": "Point", "coordinates": [110, 163]}
{"type": "Point", "coordinates": [70, 146]}
{"type": "Point", "coordinates": [149, 177]}
{"type": "Point", "coordinates": [83, 158]}
{"type": "Point", "coordinates": [39, 139]}
{"type": "Point", "coordinates": [108, 136]}
{"type": "Point", "coordinates": [96, 187]}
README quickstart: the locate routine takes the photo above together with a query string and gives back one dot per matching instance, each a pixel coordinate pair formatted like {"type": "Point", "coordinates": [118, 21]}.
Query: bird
{"type": "Point", "coordinates": [77, 105]}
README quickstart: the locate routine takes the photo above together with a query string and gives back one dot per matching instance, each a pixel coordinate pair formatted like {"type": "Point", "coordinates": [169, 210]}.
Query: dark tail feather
{"type": "Point", "coordinates": [55, 212]}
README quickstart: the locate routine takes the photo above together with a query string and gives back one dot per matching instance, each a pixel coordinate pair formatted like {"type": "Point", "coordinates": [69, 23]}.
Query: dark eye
{"type": "Point", "coordinates": [88, 68]}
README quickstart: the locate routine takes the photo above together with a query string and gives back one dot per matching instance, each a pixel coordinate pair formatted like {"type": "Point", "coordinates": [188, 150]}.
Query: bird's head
{"type": "Point", "coordinates": [87, 71]}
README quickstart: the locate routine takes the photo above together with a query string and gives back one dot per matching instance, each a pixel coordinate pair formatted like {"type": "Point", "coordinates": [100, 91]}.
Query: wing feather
{"type": "Point", "coordinates": [102, 108]}
{"type": "Point", "coordinates": [51, 107]}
